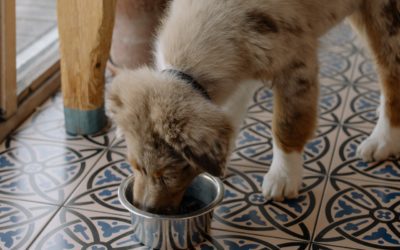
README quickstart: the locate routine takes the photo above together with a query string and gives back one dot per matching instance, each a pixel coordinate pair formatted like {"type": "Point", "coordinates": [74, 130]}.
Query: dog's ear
{"type": "Point", "coordinates": [211, 161]}
{"type": "Point", "coordinates": [206, 144]}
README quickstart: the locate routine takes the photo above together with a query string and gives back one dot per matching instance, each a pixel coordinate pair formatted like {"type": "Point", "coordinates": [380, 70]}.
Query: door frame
{"type": "Point", "coordinates": [14, 108]}
{"type": "Point", "coordinates": [8, 78]}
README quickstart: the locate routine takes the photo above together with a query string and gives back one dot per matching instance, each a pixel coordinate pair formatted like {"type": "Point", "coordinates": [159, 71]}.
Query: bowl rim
{"type": "Point", "coordinates": [134, 210]}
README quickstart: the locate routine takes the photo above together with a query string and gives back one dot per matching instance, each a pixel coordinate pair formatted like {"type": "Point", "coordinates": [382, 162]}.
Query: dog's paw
{"type": "Point", "coordinates": [278, 186]}
{"type": "Point", "coordinates": [382, 143]}
{"type": "Point", "coordinates": [283, 180]}
{"type": "Point", "coordinates": [379, 147]}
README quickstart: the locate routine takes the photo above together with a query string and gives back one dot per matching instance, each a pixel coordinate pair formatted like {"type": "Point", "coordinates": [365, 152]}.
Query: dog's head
{"type": "Point", "coordinates": [172, 133]}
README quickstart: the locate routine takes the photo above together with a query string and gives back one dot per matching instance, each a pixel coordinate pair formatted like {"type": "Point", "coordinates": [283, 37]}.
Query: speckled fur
{"type": "Point", "coordinates": [226, 45]}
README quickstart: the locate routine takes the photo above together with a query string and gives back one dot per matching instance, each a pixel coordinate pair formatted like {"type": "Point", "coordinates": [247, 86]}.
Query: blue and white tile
{"type": "Point", "coordinates": [331, 99]}
{"type": "Point", "coordinates": [43, 171]}
{"type": "Point", "coordinates": [235, 241]}
{"type": "Point", "coordinates": [81, 229]}
{"type": "Point", "coordinates": [21, 222]}
{"type": "Point", "coordinates": [361, 215]}
{"type": "Point", "coordinates": [341, 39]}
{"type": "Point", "coordinates": [253, 143]}
{"type": "Point", "coordinates": [316, 246]}
{"type": "Point", "coordinates": [336, 68]}
{"type": "Point", "coordinates": [254, 146]}
{"type": "Point", "coordinates": [347, 165]}
{"type": "Point", "coordinates": [245, 210]}
{"type": "Point", "coordinates": [332, 95]}
{"type": "Point", "coordinates": [361, 108]}
{"type": "Point", "coordinates": [99, 190]}
{"type": "Point", "coordinates": [366, 73]}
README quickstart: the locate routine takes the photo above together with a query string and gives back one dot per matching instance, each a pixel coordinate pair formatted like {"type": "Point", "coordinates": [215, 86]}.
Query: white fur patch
{"type": "Point", "coordinates": [160, 59]}
{"type": "Point", "coordinates": [283, 179]}
{"type": "Point", "coordinates": [236, 105]}
{"type": "Point", "coordinates": [383, 142]}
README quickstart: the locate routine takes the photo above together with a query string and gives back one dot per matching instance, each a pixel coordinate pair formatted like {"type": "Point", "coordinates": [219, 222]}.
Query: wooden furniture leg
{"type": "Point", "coordinates": [85, 28]}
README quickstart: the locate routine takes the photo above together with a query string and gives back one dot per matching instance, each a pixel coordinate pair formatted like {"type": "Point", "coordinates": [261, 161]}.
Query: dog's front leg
{"type": "Point", "coordinates": [295, 111]}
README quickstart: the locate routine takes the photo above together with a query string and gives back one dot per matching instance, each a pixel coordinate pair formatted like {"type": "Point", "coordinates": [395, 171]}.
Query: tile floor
{"type": "Point", "coordinates": [59, 191]}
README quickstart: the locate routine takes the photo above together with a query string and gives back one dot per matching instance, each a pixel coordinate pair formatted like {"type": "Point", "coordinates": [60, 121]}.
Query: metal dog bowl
{"type": "Point", "coordinates": [180, 231]}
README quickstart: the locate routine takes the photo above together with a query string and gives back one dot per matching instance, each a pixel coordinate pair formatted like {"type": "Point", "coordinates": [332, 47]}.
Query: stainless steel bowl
{"type": "Point", "coordinates": [181, 231]}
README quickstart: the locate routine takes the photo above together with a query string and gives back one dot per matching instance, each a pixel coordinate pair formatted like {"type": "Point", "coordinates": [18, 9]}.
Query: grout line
{"type": "Point", "coordinates": [68, 197]}
{"type": "Point", "coordinates": [369, 182]}
{"type": "Point", "coordinates": [66, 142]}
{"type": "Point", "coordinates": [339, 127]}
{"type": "Point", "coordinates": [116, 213]}
{"type": "Point", "coordinates": [84, 177]}
{"type": "Point", "coordinates": [332, 245]}
{"type": "Point", "coordinates": [39, 232]}
{"type": "Point", "coordinates": [260, 235]}
{"type": "Point", "coordinates": [13, 198]}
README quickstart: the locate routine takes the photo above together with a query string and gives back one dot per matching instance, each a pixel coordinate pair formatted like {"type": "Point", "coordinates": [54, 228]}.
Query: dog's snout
{"type": "Point", "coordinates": [155, 207]}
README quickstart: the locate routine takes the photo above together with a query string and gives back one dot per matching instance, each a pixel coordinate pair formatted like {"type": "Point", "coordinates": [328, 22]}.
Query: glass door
{"type": "Point", "coordinates": [29, 58]}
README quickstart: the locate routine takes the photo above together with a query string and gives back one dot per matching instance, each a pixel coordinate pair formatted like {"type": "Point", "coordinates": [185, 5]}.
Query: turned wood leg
{"type": "Point", "coordinates": [85, 28]}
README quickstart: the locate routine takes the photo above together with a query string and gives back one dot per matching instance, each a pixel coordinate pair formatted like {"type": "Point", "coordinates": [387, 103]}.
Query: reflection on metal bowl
{"type": "Point", "coordinates": [180, 231]}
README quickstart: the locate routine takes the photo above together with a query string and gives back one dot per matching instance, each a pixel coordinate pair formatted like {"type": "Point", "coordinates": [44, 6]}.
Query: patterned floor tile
{"type": "Point", "coordinates": [48, 124]}
{"type": "Point", "coordinates": [360, 214]}
{"type": "Point", "coordinates": [362, 105]}
{"type": "Point", "coordinates": [332, 96]}
{"type": "Point", "coordinates": [364, 94]}
{"type": "Point", "coordinates": [42, 171]}
{"type": "Point", "coordinates": [365, 73]}
{"type": "Point", "coordinates": [316, 246]}
{"type": "Point", "coordinates": [99, 190]}
{"type": "Point", "coordinates": [347, 165]}
{"type": "Point", "coordinates": [253, 143]}
{"type": "Point", "coordinates": [234, 241]}
{"type": "Point", "coordinates": [21, 222]}
{"type": "Point", "coordinates": [245, 210]}
{"type": "Point", "coordinates": [79, 229]}
{"type": "Point", "coordinates": [336, 68]}
{"type": "Point", "coordinates": [331, 99]}
{"type": "Point", "coordinates": [254, 146]}
{"type": "Point", "coordinates": [341, 39]}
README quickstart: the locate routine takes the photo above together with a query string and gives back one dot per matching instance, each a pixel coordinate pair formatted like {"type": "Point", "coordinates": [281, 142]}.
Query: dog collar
{"type": "Point", "coordinates": [189, 80]}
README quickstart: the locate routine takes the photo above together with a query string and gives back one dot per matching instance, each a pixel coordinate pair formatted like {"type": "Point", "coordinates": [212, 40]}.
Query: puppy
{"type": "Point", "coordinates": [181, 117]}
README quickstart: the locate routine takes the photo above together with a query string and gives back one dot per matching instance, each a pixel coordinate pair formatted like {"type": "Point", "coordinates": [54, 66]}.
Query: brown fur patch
{"type": "Point", "coordinates": [398, 59]}
{"type": "Point", "coordinates": [261, 22]}
{"type": "Point", "coordinates": [385, 46]}
{"type": "Point", "coordinates": [392, 102]}
{"type": "Point", "coordinates": [116, 100]}
{"type": "Point", "coordinates": [297, 65]}
{"type": "Point", "coordinates": [291, 28]}
{"type": "Point", "coordinates": [295, 112]}
{"type": "Point", "coordinates": [333, 16]}
{"type": "Point", "coordinates": [391, 12]}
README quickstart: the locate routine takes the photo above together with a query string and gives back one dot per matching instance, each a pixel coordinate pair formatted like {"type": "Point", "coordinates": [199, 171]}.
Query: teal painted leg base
{"type": "Point", "coordinates": [88, 122]}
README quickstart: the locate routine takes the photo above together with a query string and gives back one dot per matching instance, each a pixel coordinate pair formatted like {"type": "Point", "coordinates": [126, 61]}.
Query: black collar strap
{"type": "Point", "coordinates": [190, 80]}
